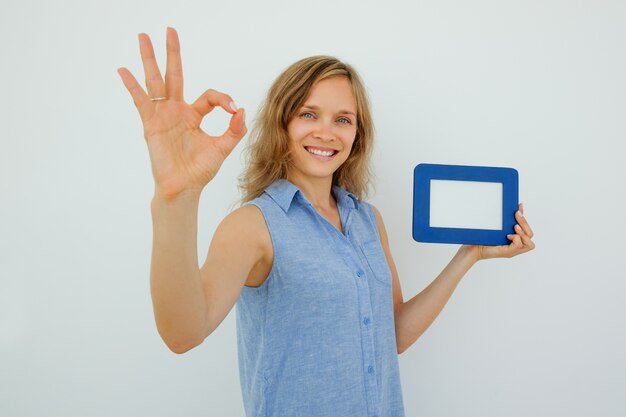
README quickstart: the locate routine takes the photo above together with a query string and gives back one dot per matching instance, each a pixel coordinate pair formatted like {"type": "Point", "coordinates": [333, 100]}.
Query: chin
{"type": "Point", "coordinates": [315, 172]}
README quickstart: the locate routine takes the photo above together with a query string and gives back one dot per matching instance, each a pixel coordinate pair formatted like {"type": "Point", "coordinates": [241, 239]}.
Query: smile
{"type": "Point", "coordinates": [324, 155]}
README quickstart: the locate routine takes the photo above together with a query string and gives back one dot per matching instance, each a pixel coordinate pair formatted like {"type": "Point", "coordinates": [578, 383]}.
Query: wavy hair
{"type": "Point", "coordinates": [267, 152]}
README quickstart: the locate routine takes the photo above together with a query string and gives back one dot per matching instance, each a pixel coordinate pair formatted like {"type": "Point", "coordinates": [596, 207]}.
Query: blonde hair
{"type": "Point", "coordinates": [267, 152]}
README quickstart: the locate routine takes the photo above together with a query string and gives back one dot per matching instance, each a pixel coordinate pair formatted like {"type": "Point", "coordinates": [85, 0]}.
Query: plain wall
{"type": "Point", "coordinates": [534, 85]}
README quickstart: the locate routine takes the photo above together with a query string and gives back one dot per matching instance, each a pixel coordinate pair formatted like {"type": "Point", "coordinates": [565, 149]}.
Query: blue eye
{"type": "Point", "coordinates": [345, 120]}
{"type": "Point", "coordinates": [306, 114]}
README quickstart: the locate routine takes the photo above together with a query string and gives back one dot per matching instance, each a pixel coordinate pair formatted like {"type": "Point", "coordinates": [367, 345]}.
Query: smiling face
{"type": "Point", "coordinates": [322, 131]}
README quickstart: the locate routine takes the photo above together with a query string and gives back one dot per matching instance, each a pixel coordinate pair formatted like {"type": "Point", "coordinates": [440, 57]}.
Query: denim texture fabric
{"type": "Point", "coordinates": [317, 338]}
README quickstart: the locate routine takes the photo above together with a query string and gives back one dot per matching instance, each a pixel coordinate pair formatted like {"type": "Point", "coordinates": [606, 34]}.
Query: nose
{"type": "Point", "coordinates": [324, 131]}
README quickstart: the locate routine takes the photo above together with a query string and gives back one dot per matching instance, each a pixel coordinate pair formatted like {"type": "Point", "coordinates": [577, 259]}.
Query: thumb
{"type": "Point", "coordinates": [236, 130]}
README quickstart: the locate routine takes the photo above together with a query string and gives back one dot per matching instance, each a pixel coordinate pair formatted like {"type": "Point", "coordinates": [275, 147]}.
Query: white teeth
{"type": "Point", "coordinates": [321, 153]}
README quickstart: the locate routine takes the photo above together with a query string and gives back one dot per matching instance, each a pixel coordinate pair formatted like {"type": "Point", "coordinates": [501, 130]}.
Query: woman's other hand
{"type": "Point", "coordinates": [521, 241]}
{"type": "Point", "coordinates": [182, 156]}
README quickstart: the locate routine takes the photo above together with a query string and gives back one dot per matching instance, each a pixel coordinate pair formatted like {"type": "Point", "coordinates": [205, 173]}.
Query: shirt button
{"type": "Point", "coordinates": [366, 320]}
{"type": "Point", "coordinates": [359, 273]}
{"type": "Point", "coordinates": [370, 369]}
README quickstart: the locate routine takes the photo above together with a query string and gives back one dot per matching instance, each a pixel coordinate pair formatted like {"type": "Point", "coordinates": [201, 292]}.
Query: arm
{"type": "Point", "coordinates": [417, 314]}
{"type": "Point", "coordinates": [413, 317]}
{"type": "Point", "coordinates": [178, 304]}
{"type": "Point", "coordinates": [189, 303]}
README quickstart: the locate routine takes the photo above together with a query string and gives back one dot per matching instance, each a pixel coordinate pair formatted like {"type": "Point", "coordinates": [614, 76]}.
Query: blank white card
{"type": "Point", "coordinates": [466, 204]}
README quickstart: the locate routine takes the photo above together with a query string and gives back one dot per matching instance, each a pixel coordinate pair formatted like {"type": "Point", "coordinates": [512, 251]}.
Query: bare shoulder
{"type": "Point", "coordinates": [246, 222]}
{"type": "Point", "coordinates": [247, 227]}
{"type": "Point", "coordinates": [249, 214]}
{"type": "Point", "coordinates": [239, 254]}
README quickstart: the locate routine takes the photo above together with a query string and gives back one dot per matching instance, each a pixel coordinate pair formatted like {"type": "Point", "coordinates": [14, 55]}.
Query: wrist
{"type": "Point", "coordinates": [164, 196]}
{"type": "Point", "coordinates": [470, 253]}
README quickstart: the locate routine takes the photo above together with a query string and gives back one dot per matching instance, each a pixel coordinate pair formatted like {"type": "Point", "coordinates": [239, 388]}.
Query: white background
{"type": "Point", "coordinates": [534, 85]}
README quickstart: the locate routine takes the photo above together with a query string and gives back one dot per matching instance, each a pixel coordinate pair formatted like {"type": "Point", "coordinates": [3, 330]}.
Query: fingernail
{"type": "Point", "coordinates": [520, 213]}
{"type": "Point", "coordinates": [233, 106]}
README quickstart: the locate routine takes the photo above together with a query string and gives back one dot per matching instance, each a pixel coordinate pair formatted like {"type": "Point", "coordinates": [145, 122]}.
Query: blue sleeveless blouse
{"type": "Point", "coordinates": [317, 338]}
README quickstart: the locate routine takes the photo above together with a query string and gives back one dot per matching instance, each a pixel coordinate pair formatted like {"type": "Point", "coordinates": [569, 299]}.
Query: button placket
{"type": "Point", "coordinates": [367, 339]}
{"type": "Point", "coordinates": [356, 264]}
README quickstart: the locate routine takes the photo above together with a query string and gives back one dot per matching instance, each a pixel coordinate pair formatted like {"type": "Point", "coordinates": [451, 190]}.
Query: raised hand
{"type": "Point", "coordinates": [183, 157]}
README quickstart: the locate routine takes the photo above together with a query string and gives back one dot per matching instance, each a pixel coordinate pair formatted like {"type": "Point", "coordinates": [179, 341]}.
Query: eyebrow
{"type": "Point", "coordinates": [312, 107]}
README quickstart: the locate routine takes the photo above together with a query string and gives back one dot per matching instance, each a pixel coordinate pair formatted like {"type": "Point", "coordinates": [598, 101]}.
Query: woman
{"type": "Point", "coordinates": [320, 312]}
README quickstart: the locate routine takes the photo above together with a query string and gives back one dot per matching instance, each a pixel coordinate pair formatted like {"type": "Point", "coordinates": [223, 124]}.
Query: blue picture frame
{"type": "Point", "coordinates": [424, 173]}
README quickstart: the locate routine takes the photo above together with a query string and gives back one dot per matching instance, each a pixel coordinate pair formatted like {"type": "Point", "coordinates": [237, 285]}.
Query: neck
{"type": "Point", "coordinates": [316, 190]}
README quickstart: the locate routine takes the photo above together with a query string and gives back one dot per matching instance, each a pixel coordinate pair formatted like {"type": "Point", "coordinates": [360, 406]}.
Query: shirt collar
{"type": "Point", "coordinates": [283, 192]}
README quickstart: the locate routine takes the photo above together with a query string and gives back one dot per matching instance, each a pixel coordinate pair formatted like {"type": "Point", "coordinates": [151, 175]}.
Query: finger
{"type": "Point", "coordinates": [154, 80]}
{"type": "Point", "coordinates": [526, 241]}
{"type": "Point", "coordinates": [508, 251]}
{"type": "Point", "coordinates": [516, 244]}
{"type": "Point", "coordinates": [236, 130]}
{"type": "Point", "coordinates": [515, 239]}
{"type": "Point", "coordinates": [139, 96]}
{"type": "Point", "coordinates": [211, 98]}
{"type": "Point", "coordinates": [174, 70]}
{"type": "Point", "coordinates": [525, 226]}
{"type": "Point", "coordinates": [523, 236]}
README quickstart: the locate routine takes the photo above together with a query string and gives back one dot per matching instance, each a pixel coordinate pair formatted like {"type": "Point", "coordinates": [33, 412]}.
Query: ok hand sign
{"type": "Point", "coordinates": [183, 157]}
